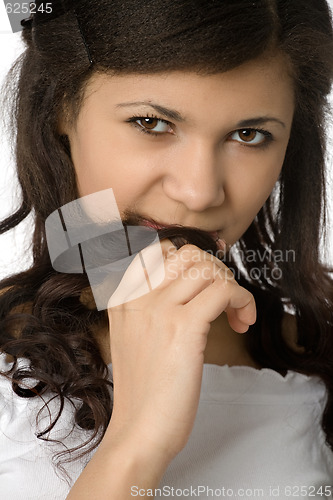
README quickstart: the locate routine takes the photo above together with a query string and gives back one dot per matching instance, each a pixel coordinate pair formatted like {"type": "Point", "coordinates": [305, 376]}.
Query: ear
{"type": "Point", "coordinates": [64, 119]}
{"type": "Point", "coordinates": [63, 129]}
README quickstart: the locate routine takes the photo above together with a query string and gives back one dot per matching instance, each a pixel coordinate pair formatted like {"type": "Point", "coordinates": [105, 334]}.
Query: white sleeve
{"type": "Point", "coordinates": [27, 469]}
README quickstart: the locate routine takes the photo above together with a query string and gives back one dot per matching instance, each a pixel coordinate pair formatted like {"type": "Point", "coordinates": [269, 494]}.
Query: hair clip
{"type": "Point", "coordinates": [91, 61]}
{"type": "Point", "coordinates": [27, 22]}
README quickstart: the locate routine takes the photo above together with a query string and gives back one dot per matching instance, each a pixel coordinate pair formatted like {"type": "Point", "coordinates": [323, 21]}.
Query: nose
{"type": "Point", "coordinates": [195, 177]}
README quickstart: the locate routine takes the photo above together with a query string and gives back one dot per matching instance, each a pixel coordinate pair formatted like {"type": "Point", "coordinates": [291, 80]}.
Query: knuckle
{"type": "Point", "coordinates": [226, 274]}
{"type": "Point", "coordinates": [189, 254]}
{"type": "Point", "coordinates": [188, 248]}
{"type": "Point", "coordinates": [206, 265]}
{"type": "Point", "coordinates": [246, 292]}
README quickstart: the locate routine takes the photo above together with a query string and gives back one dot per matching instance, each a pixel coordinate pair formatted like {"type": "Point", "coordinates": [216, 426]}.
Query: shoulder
{"type": "Point", "coordinates": [15, 412]}
{"type": "Point", "coordinates": [25, 409]}
{"type": "Point", "coordinates": [30, 462]}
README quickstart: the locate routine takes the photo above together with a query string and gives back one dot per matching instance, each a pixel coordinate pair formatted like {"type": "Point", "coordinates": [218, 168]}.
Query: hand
{"type": "Point", "coordinates": [158, 342]}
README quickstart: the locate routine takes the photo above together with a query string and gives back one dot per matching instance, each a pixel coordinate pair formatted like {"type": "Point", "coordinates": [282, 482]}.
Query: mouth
{"type": "Point", "coordinates": [220, 243]}
{"type": "Point", "coordinates": [154, 225]}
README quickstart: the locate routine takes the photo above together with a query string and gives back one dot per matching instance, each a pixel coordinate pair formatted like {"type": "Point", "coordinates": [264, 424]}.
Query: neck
{"type": "Point", "coordinates": [225, 346]}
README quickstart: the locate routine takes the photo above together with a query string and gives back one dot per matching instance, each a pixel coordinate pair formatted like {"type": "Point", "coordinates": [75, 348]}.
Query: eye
{"type": "Point", "coordinates": [251, 136]}
{"type": "Point", "coordinates": [151, 125]}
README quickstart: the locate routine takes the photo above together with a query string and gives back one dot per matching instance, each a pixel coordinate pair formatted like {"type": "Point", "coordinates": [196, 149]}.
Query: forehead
{"type": "Point", "coordinates": [265, 83]}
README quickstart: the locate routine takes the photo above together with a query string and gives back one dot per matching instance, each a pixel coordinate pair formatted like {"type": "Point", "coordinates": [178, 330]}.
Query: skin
{"type": "Point", "coordinates": [197, 172]}
{"type": "Point", "coordinates": [194, 174]}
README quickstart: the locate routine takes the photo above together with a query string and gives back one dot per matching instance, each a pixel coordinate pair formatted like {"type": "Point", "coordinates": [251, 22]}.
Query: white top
{"type": "Point", "coordinates": [256, 435]}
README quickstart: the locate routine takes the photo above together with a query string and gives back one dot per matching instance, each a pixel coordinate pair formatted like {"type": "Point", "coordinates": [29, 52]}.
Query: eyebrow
{"type": "Point", "coordinates": [259, 120]}
{"type": "Point", "coordinates": [172, 114]}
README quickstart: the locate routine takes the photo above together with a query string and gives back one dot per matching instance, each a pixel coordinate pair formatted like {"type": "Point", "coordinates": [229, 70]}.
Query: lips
{"type": "Point", "coordinates": [154, 225]}
{"type": "Point", "coordinates": [214, 235]}
{"type": "Point", "coordinates": [220, 243]}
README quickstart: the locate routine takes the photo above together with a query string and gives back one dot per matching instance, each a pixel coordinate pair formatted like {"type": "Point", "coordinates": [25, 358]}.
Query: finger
{"type": "Point", "coordinates": [188, 283]}
{"type": "Point", "coordinates": [228, 296]}
{"type": "Point", "coordinates": [176, 262]}
{"type": "Point", "coordinates": [240, 319]}
{"type": "Point", "coordinates": [189, 254]}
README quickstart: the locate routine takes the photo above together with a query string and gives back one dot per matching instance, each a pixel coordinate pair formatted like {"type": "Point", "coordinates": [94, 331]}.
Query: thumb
{"type": "Point", "coordinates": [144, 273]}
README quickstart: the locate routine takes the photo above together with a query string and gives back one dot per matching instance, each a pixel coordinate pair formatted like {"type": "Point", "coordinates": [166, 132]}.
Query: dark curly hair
{"type": "Point", "coordinates": [43, 315]}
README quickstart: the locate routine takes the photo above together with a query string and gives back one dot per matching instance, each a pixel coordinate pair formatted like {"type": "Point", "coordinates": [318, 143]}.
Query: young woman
{"type": "Point", "coordinates": [206, 119]}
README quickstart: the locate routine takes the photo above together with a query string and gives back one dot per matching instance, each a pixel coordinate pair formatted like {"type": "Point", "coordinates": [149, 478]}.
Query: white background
{"type": "Point", "coordinates": [14, 254]}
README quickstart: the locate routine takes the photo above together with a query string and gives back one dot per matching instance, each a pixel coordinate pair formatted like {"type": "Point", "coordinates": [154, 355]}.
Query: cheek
{"type": "Point", "coordinates": [101, 163]}
{"type": "Point", "coordinates": [253, 184]}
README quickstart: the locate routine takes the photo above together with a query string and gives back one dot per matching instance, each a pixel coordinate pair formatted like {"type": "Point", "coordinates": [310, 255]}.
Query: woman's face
{"type": "Point", "coordinates": [182, 148]}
